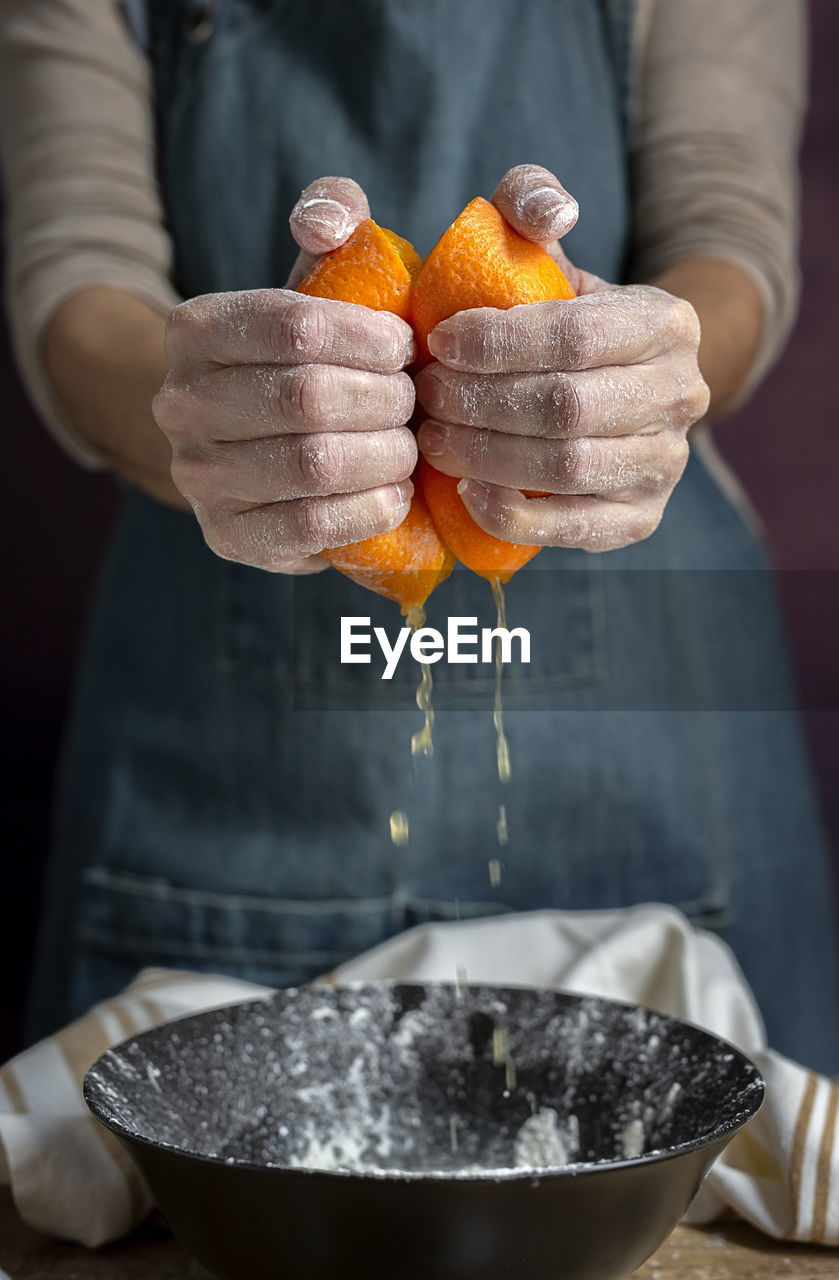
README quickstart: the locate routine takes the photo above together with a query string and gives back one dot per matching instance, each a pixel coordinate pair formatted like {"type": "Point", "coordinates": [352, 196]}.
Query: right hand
{"type": "Point", "coordinates": [287, 414]}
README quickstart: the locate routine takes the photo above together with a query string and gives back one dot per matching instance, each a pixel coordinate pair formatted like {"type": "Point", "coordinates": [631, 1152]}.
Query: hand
{"type": "Point", "coordinates": [286, 414]}
{"type": "Point", "coordinates": [588, 401]}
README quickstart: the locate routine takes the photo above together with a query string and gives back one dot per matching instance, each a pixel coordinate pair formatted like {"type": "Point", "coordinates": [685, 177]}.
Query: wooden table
{"type": "Point", "coordinates": [734, 1251]}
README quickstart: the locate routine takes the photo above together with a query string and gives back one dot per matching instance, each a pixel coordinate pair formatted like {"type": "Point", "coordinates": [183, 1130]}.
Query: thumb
{"type": "Point", "coordinates": [536, 204]}
{"type": "Point", "coordinates": [327, 212]}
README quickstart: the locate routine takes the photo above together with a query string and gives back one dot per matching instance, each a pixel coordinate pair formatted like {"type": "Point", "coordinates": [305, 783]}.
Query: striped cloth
{"type": "Point", "coordinates": [70, 1178]}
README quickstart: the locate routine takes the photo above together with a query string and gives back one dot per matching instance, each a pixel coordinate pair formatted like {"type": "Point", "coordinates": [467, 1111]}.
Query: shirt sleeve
{"type": "Point", "coordinates": [722, 94]}
{"type": "Point", "coordinates": [77, 155]}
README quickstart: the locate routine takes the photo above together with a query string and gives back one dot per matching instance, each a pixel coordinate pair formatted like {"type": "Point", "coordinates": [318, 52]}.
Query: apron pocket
{"type": "Point", "coordinates": [129, 922]}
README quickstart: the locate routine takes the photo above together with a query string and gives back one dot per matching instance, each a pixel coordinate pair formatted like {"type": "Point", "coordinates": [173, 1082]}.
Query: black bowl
{"type": "Point", "coordinates": [377, 1131]}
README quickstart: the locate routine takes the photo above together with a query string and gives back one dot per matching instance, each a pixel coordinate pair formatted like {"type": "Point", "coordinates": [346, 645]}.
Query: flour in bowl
{"type": "Point", "coordinates": [543, 1142]}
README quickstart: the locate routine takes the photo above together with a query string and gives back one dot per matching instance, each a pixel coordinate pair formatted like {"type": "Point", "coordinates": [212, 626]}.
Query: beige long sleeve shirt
{"type": "Point", "coordinates": [722, 91]}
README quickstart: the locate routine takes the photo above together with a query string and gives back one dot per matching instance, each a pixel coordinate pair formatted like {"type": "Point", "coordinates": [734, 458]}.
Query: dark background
{"type": "Point", "coordinates": [784, 446]}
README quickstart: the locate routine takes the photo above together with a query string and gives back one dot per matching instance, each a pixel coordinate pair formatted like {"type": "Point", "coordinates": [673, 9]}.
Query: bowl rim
{"type": "Point", "coordinates": [722, 1133]}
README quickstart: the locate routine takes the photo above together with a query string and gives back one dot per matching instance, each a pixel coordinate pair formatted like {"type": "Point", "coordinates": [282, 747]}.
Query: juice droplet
{"type": "Point", "coordinates": [501, 1056]}
{"type": "Point", "coordinates": [500, 602]}
{"type": "Point", "coordinates": [399, 829]}
{"type": "Point", "coordinates": [501, 825]}
{"type": "Point", "coordinates": [502, 749]}
{"type": "Point", "coordinates": [505, 772]}
{"type": "Point", "coordinates": [494, 872]}
{"type": "Point", "coordinates": [453, 1132]}
{"type": "Point", "coordinates": [460, 981]}
{"type": "Point", "coordinates": [422, 743]}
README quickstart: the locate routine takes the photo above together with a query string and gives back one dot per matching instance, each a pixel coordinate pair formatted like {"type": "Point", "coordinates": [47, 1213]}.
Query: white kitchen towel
{"type": "Point", "coordinates": [781, 1173]}
{"type": "Point", "coordinates": [68, 1176]}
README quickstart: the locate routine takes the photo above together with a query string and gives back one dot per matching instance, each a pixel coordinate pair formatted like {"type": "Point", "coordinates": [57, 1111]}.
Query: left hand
{"type": "Point", "coordinates": [588, 401]}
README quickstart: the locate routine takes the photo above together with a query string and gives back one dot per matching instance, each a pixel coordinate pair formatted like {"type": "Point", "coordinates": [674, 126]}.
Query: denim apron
{"type": "Point", "coordinates": [227, 783]}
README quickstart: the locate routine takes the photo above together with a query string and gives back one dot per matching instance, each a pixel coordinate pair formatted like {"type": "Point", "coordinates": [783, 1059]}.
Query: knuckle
{"type": "Point", "coordinates": [577, 532]}
{"type": "Point", "coordinates": [220, 537]}
{"type": "Point", "coordinates": [702, 395]}
{"type": "Point", "coordinates": [642, 524]}
{"type": "Point", "coordinates": [571, 337]}
{"type": "Point", "coordinates": [288, 392]}
{"type": "Point", "coordinates": [566, 404]}
{"type": "Point", "coordinates": [173, 409]}
{"type": "Point", "coordinates": [317, 394]}
{"type": "Point", "coordinates": [685, 322]}
{"type": "Point", "coordinates": [320, 462]}
{"type": "Point", "coordinates": [182, 326]}
{"type": "Point", "coordinates": [665, 472]}
{"type": "Point", "coordinates": [312, 525]}
{"type": "Point", "coordinates": [298, 331]}
{"type": "Point", "coordinates": [472, 446]}
{"type": "Point", "coordinates": [575, 466]}
{"type": "Point", "coordinates": [691, 399]}
{"type": "Point", "coordinates": [190, 324]}
{"type": "Point", "coordinates": [305, 396]}
{"type": "Point", "coordinates": [679, 454]}
{"type": "Point", "coordinates": [191, 475]}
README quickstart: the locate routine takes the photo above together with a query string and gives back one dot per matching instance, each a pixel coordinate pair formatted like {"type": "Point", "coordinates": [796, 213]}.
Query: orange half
{"type": "Point", "coordinates": [479, 262]}
{"type": "Point", "coordinates": [375, 268]}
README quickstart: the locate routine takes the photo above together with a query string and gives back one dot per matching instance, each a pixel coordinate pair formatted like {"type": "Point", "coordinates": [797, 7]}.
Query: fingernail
{"type": "Point", "coordinates": [551, 209]}
{"type": "Point", "coordinates": [430, 391]}
{"type": "Point", "coordinates": [405, 490]}
{"type": "Point", "coordinates": [434, 438]}
{"type": "Point", "coordinates": [444, 346]}
{"type": "Point", "coordinates": [477, 494]}
{"type": "Point", "coordinates": [330, 213]}
{"type": "Point", "coordinates": [329, 220]}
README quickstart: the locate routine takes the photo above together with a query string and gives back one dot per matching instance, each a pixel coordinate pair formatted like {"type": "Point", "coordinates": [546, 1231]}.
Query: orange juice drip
{"type": "Point", "coordinates": [399, 828]}
{"type": "Point", "coordinates": [501, 828]}
{"type": "Point", "coordinates": [422, 742]}
{"type": "Point", "coordinates": [502, 747]}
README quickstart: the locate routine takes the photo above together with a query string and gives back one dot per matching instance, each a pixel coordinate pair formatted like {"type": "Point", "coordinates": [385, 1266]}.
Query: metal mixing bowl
{"type": "Point", "coordinates": [403, 1132]}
